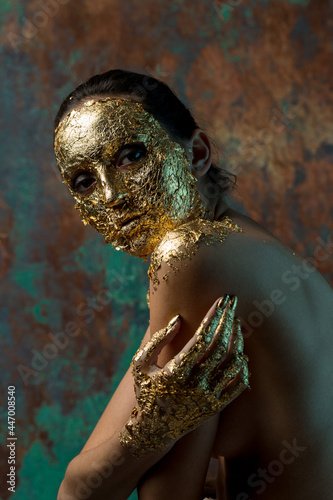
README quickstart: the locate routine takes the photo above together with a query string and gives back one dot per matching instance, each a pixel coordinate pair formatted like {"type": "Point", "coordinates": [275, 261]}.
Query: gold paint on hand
{"type": "Point", "coordinates": [191, 387]}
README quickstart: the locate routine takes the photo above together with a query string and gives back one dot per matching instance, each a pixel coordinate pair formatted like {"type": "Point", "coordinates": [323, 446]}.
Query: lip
{"type": "Point", "coordinates": [128, 220]}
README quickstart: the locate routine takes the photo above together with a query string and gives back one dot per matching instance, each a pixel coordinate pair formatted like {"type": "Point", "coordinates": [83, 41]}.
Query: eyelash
{"type": "Point", "coordinates": [132, 149]}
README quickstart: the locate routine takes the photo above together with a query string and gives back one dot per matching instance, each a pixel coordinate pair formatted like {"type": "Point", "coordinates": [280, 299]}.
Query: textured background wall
{"type": "Point", "coordinates": [257, 76]}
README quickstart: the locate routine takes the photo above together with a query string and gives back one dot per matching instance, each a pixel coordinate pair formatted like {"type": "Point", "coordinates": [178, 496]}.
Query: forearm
{"type": "Point", "coordinates": [106, 472]}
{"type": "Point", "coordinates": [181, 474]}
{"type": "Point", "coordinates": [105, 469]}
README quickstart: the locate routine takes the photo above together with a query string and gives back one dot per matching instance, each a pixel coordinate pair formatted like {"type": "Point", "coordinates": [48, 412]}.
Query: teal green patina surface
{"type": "Point", "coordinates": [73, 310]}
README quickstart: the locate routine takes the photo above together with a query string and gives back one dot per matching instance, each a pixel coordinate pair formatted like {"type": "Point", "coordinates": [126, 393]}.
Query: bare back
{"type": "Point", "coordinates": [276, 440]}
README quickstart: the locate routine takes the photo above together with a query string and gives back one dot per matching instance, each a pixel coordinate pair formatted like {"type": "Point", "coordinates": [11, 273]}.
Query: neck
{"type": "Point", "coordinates": [220, 208]}
{"type": "Point", "coordinates": [217, 208]}
{"type": "Point", "coordinates": [215, 205]}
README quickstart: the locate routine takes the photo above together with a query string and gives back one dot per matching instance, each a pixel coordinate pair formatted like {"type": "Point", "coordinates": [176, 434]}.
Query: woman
{"type": "Point", "coordinates": [141, 172]}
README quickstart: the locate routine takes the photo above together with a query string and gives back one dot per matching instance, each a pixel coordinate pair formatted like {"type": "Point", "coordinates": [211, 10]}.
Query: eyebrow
{"type": "Point", "coordinates": [97, 153]}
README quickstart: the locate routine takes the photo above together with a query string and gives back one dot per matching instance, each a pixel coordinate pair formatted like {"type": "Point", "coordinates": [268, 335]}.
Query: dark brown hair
{"type": "Point", "coordinates": [159, 100]}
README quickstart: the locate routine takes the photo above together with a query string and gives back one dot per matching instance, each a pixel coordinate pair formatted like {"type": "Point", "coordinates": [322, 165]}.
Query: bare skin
{"type": "Point", "coordinates": [273, 442]}
{"type": "Point", "coordinates": [276, 440]}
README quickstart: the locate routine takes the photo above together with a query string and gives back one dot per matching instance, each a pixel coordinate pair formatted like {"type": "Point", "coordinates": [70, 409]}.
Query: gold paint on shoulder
{"type": "Point", "coordinates": [183, 242]}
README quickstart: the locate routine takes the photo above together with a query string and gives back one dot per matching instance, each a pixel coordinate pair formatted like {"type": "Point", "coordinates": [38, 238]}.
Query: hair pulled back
{"type": "Point", "coordinates": [156, 98]}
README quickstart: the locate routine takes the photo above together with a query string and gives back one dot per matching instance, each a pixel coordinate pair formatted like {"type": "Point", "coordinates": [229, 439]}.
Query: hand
{"type": "Point", "coordinates": [209, 372]}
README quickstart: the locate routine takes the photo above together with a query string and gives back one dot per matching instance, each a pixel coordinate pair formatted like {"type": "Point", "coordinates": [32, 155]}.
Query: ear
{"type": "Point", "coordinates": [199, 150]}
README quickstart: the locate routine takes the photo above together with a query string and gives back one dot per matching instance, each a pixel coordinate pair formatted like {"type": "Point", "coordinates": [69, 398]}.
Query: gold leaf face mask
{"type": "Point", "coordinates": [133, 205]}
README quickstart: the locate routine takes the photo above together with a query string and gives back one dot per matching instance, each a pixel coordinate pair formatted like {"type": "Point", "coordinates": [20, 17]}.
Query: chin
{"type": "Point", "coordinates": [139, 246]}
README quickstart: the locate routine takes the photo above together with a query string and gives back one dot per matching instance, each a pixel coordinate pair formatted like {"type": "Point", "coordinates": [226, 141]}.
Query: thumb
{"type": "Point", "coordinates": [171, 331]}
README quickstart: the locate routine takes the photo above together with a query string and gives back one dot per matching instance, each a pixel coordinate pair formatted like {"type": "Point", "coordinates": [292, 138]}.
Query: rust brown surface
{"type": "Point", "coordinates": [257, 76]}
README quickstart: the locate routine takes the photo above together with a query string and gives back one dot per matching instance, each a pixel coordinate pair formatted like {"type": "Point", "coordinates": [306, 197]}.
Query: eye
{"type": "Point", "coordinates": [131, 153]}
{"type": "Point", "coordinates": [83, 182]}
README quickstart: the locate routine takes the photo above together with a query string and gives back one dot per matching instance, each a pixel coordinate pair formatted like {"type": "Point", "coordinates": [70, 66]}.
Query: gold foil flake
{"type": "Point", "coordinates": [176, 399]}
{"type": "Point", "coordinates": [158, 189]}
{"type": "Point", "coordinates": [183, 242]}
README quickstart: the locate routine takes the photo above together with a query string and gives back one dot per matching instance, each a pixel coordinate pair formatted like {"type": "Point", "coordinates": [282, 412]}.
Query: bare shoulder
{"type": "Point", "coordinates": [234, 255]}
{"type": "Point", "coordinates": [185, 246]}
{"type": "Point", "coordinates": [199, 262]}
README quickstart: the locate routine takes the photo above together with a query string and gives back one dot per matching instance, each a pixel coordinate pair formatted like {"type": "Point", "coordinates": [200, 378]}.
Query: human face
{"type": "Point", "coordinates": [132, 200]}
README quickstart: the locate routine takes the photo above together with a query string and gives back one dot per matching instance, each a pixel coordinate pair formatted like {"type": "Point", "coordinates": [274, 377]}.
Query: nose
{"type": "Point", "coordinates": [117, 203]}
{"type": "Point", "coordinates": [110, 193]}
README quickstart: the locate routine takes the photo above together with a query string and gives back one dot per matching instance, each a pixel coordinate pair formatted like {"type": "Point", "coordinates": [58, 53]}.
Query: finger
{"type": "Point", "coordinates": [235, 347]}
{"type": "Point", "coordinates": [238, 364]}
{"type": "Point", "coordinates": [233, 361]}
{"type": "Point", "coordinates": [173, 328]}
{"type": "Point", "coordinates": [238, 345]}
{"type": "Point", "coordinates": [221, 343]}
{"type": "Point", "coordinates": [198, 344]}
{"type": "Point", "coordinates": [217, 370]}
{"type": "Point", "coordinates": [224, 332]}
{"type": "Point", "coordinates": [156, 343]}
{"type": "Point", "coordinates": [236, 386]}
{"type": "Point", "coordinates": [225, 337]}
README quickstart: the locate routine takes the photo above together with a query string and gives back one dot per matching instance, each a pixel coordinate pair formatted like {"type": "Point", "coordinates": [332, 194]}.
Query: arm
{"type": "Point", "coordinates": [103, 450]}
{"type": "Point", "coordinates": [171, 401]}
{"type": "Point", "coordinates": [181, 474]}
{"type": "Point", "coordinates": [106, 472]}
{"type": "Point", "coordinates": [103, 458]}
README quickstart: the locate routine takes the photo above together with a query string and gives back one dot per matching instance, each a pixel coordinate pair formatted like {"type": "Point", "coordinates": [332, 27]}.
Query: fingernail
{"type": "Point", "coordinates": [233, 301]}
{"type": "Point", "coordinates": [173, 321]}
{"type": "Point", "coordinates": [222, 302]}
